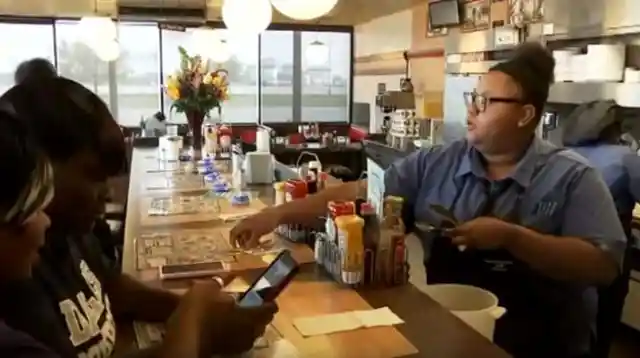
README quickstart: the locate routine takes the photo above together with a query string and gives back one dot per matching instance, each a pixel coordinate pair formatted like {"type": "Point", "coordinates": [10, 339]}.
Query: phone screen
{"type": "Point", "coordinates": [274, 279]}
{"type": "Point", "coordinates": [200, 267]}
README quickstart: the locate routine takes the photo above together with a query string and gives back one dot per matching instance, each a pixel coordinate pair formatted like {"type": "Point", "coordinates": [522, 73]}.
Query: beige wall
{"type": "Point", "coordinates": [385, 34]}
{"type": "Point", "coordinates": [374, 40]}
{"type": "Point", "coordinates": [379, 46]}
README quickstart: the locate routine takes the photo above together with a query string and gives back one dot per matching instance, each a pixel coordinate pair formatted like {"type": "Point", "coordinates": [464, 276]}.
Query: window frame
{"type": "Point", "coordinates": [297, 59]}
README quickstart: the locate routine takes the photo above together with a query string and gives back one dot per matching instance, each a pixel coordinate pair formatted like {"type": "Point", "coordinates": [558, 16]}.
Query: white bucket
{"type": "Point", "coordinates": [476, 307]}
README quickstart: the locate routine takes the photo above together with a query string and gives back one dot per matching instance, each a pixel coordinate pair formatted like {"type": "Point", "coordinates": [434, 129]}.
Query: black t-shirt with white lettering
{"type": "Point", "coordinates": [65, 306]}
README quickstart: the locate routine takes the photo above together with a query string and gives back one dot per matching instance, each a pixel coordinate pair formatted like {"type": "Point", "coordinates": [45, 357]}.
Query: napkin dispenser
{"type": "Point", "coordinates": [259, 168]}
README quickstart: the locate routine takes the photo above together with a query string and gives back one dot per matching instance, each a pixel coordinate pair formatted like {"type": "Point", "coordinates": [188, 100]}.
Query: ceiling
{"type": "Point", "coordinates": [347, 12]}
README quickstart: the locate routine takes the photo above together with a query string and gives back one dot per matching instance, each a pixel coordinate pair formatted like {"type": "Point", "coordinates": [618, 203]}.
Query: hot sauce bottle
{"type": "Point", "coordinates": [371, 236]}
{"type": "Point", "coordinates": [392, 235]}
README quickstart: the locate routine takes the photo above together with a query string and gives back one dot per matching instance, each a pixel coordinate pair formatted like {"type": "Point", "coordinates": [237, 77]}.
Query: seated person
{"type": "Point", "coordinates": [77, 292]}
{"type": "Point", "coordinates": [38, 69]}
{"type": "Point", "coordinates": [26, 191]}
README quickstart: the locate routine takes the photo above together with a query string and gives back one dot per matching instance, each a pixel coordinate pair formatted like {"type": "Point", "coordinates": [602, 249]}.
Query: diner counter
{"type": "Point", "coordinates": [428, 331]}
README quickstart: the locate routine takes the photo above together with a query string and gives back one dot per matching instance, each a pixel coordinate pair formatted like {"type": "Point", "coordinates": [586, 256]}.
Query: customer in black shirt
{"type": "Point", "coordinates": [39, 69]}
{"type": "Point", "coordinates": [78, 292]}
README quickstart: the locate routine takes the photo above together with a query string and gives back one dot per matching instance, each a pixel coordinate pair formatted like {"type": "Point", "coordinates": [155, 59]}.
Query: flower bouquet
{"type": "Point", "coordinates": [195, 90]}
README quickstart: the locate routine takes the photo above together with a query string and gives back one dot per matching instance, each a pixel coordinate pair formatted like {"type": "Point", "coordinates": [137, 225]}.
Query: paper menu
{"type": "Point", "coordinates": [347, 321]}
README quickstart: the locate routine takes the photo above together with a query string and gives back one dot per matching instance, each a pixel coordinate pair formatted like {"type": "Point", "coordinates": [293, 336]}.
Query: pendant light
{"type": "Point", "coordinates": [247, 17]}
{"type": "Point", "coordinates": [108, 51]}
{"type": "Point", "coordinates": [317, 53]}
{"type": "Point", "coordinates": [96, 29]}
{"type": "Point", "coordinates": [304, 9]}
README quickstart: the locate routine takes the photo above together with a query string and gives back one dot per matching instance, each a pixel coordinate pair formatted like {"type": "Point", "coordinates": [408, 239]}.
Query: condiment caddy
{"type": "Point", "coordinates": [358, 249]}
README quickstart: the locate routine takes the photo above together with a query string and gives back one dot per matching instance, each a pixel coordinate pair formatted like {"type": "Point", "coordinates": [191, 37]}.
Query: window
{"type": "Point", "coordinates": [277, 76]}
{"type": "Point", "coordinates": [325, 87]}
{"type": "Point", "coordinates": [242, 106]}
{"type": "Point", "coordinates": [137, 72]}
{"type": "Point", "coordinates": [270, 78]}
{"type": "Point", "coordinates": [22, 42]}
{"type": "Point", "coordinates": [78, 62]}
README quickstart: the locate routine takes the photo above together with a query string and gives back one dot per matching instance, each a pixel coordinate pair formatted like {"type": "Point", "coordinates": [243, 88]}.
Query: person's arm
{"type": "Point", "coordinates": [181, 339]}
{"type": "Point", "coordinates": [133, 299]}
{"type": "Point", "coordinates": [129, 298]}
{"type": "Point", "coordinates": [308, 210]}
{"type": "Point", "coordinates": [591, 244]}
{"type": "Point", "coordinates": [402, 179]}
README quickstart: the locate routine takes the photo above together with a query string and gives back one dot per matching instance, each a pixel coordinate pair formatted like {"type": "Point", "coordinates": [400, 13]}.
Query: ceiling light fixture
{"type": "Point", "coordinates": [317, 53]}
{"type": "Point", "coordinates": [247, 17]}
{"type": "Point", "coordinates": [96, 29]}
{"type": "Point", "coordinates": [108, 51]}
{"type": "Point", "coordinates": [304, 9]}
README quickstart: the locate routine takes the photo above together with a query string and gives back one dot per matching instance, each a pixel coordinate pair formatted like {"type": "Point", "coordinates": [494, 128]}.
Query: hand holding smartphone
{"type": "Point", "coordinates": [271, 282]}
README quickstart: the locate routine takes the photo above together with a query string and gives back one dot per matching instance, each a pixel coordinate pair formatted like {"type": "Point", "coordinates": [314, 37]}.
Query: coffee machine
{"type": "Point", "coordinates": [400, 125]}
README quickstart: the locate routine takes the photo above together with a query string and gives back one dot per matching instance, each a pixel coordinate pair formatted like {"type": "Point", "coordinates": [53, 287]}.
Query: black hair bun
{"type": "Point", "coordinates": [537, 58]}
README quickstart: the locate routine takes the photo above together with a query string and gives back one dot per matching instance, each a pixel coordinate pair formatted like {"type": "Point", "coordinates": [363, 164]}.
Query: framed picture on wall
{"type": "Point", "coordinates": [476, 15]}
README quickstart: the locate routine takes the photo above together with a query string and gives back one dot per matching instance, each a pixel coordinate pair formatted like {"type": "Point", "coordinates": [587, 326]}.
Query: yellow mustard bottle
{"type": "Point", "coordinates": [351, 244]}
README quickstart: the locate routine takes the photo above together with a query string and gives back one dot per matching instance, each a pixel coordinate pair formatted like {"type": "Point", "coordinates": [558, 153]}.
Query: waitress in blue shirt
{"type": "Point", "coordinates": [539, 224]}
{"type": "Point", "coordinates": [594, 131]}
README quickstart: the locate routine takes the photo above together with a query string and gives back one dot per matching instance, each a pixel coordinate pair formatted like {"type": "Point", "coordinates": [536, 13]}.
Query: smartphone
{"type": "Point", "coordinates": [445, 213]}
{"type": "Point", "coordinates": [272, 281]}
{"type": "Point", "coordinates": [169, 272]}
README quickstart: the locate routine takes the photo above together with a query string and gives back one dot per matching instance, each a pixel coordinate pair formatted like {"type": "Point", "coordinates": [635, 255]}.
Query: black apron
{"type": "Point", "coordinates": [530, 328]}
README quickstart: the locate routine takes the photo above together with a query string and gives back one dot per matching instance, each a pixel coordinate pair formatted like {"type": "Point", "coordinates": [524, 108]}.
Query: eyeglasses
{"type": "Point", "coordinates": [480, 102]}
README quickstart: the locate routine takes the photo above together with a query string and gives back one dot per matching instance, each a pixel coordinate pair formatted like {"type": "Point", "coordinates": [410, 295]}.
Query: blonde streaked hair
{"type": "Point", "coordinates": [34, 196]}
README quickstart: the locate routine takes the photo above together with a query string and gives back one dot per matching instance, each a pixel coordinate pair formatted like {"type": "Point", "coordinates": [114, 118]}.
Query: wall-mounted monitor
{"type": "Point", "coordinates": [444, 13]}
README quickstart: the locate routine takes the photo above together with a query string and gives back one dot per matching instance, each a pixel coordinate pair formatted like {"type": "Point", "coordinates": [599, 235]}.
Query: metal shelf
{"type": "Point", "coordinates": [625, 94]}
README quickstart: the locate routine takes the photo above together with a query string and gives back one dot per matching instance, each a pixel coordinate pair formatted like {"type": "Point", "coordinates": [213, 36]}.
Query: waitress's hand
{"type": "Point", "coordinates": [246, 234]}
{"type": "Point", "coordinates": [484, 233]}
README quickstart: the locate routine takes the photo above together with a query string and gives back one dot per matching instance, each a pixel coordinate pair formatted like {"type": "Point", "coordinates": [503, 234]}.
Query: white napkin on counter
{"type": "Point", "coordinates": [346, 321]}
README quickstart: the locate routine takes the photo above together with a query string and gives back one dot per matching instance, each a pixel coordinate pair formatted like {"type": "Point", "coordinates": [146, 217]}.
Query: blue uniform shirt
{"type": "Point", "coordinates": [565, 197]}
{"type": "Point", "coordinates": [620, 167]}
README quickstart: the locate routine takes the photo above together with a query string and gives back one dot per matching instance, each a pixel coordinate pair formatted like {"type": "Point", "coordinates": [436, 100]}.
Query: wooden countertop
{"type": "Point", "coordinates": [429, 330]}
